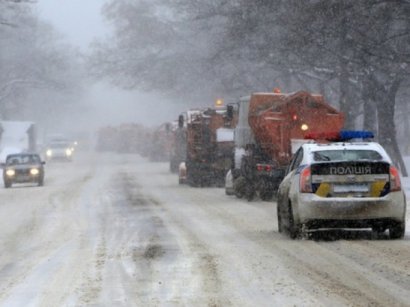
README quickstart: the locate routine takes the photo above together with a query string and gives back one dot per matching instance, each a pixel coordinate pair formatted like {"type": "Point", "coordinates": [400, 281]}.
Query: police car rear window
{"type": "Point", "coordinates": [346, 155]}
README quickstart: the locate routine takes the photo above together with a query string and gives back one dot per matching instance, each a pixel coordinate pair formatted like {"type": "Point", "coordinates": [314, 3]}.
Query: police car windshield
{"type": "Point", "coordinates": [346, 155]}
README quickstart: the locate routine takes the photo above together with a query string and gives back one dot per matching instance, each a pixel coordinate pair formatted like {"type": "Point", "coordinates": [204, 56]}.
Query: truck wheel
{"type": "Point", "coordinates": [239, 186]}
{"type": "Point", "coordinates": [7, 184]}
{"type": "Point", "coordinates": [193, 180]}
{"type": "Point", "coordinates": [249, 191]}
{"type": "Point", "coordinates": [266, 194]}
{"type": "Point", "coordinates": [206, 180]}
{"type": "Point", "coordinates": [397, 230]}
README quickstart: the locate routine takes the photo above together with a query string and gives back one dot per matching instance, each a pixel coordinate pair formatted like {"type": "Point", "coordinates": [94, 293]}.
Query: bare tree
{"type": "Point", "coordinates": [357, 52]}
{"type": "Point", "coordinates": [32, 59]}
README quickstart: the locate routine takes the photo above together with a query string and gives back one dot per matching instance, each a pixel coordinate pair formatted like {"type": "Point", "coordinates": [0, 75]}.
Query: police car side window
{"type": "Point", "coordinates": [297, 159]}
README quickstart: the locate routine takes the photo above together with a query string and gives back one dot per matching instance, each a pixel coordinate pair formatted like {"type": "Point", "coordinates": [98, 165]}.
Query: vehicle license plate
{"type": "Point", "coordinates": [346, 188]}
{"type": "Point", "coordinates": [23, 178]}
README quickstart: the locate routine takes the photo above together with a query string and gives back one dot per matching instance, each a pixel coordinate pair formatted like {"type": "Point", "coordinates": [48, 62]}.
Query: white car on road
{"type": "Point", "coordinates": [59, 151]}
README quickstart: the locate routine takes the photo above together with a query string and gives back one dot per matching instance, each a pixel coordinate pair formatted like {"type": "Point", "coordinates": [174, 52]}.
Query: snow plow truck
{"type": "Point", "coordinates": [210, 145]}
{"type": "Point", "coordinates": [271, 127]}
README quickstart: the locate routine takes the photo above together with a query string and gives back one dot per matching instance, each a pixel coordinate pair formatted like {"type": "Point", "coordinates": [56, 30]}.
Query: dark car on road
{"type": "Point", "coordinates": [23, 168]}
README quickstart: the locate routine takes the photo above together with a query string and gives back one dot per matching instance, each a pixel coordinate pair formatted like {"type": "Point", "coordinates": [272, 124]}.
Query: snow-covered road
{"type": "Point", "coordinates": [115, 230]}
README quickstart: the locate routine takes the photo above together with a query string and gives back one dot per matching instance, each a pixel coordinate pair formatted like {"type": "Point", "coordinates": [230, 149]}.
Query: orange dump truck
{"type": "Point", "coordinates": [209, 145]}
{"type": "Point", "coordinates": [270, 129]}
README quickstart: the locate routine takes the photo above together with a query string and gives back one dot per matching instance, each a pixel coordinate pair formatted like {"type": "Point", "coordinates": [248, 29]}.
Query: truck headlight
{"type": "Point", "coordinates": [10, 172]}
{"type": "Point", "coordinates": [68, 152]}
{"type": "Point", "coordinates": [49, 153]}
{"type": "Point", "coordinates": [34, 171]}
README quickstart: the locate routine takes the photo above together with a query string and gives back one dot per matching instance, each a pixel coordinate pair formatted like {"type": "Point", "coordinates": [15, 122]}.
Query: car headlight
{"type": "Point", "coordinates": [49, 153]}
{"type": "Point", "coordinates": [68, 152]}
{"type": "Point", "coordinates": [34, 171]}
{"type": "Point", "coordinates": [10, 172]}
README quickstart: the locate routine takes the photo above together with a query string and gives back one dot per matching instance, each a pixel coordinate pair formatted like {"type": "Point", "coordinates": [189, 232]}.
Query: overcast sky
{"type": "Point", "coordinates": [81, 22]}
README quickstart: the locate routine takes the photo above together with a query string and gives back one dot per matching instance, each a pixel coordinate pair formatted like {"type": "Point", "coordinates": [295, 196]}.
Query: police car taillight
{"type": "Point", "coordinates": [395, 183]}
{"type": "Point", "coordinates": [305, 181]}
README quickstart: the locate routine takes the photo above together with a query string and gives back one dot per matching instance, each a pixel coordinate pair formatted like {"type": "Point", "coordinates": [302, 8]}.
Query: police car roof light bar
{"type": "Point", "coordinates": [346, 135]}
{"type": "Point", "coordinates": [340, 136]}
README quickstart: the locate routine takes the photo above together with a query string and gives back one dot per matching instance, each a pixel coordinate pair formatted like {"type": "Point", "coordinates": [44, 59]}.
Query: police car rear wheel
{"type": "Point", "coordinates": [397, 231]}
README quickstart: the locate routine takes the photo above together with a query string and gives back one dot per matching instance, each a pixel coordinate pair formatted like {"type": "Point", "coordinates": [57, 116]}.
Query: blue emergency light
{"type": "Point", "coordinates": [355, 134]}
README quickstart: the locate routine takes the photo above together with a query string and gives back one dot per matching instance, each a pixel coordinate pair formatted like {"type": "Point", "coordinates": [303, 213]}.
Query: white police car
{"type": "Point", "coordinates": [341, 185]}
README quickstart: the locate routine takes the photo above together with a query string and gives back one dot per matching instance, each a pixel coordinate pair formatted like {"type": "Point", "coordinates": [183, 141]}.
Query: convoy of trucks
{"type": "Point", "coordinates": [248, 143]}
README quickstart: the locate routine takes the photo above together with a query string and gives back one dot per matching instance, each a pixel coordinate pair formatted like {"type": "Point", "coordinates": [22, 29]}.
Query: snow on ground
{"type": "Point", "coordinates": [116, 230]}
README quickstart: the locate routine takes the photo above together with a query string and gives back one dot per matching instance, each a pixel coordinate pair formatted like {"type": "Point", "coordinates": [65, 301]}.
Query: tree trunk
{"type": "Point", "coordinates": [345, 103]}
{"type": "Point", "coordinates": [387, 126]}
{"type": "Point", "coordinates": [369, 109]}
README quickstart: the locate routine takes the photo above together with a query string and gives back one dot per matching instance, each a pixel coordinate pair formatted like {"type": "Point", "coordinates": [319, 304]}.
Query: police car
{"type": "Point", "coordinates": [342, 185]}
